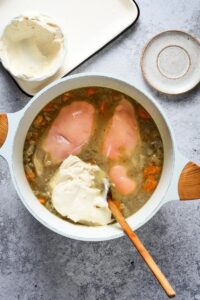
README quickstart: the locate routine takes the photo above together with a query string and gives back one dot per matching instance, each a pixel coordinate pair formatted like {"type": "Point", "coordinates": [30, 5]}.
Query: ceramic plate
{"type": "Point", "coordinates": [171, 62]}
{"type": "Point", "coordinates": [87, 25]}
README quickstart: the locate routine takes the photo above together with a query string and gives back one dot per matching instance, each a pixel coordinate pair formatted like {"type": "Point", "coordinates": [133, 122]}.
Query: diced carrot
{"type": "Point", "coordinates": [92, 161]}
{"type": "Point", "coordinates": [143, 113]}
{"type": "Point", "coordinates": [39, 121]}
{"type": "Point", "coordinates": [49, 107]}
{"type": "Point", "coordinates": [91, 91]}
{"type": "Point", "coordinates": [151, 177]}
{"type": "Point", "coordinates": [33, 137]}
{"type": "Point", "coordinates": [150, 184]}
{"type": "Point", "coordinates": [102, 106]}
{"type": "Point", "coordinates": [42, 200]}
{"type": "Point", "coordinates": [30, 175]}
{"type": "Point", "coordinates": [151, 170]}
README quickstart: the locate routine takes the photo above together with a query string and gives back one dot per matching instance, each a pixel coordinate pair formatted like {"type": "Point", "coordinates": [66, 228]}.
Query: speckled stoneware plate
{"type": "Point", "coordinates": [170, 62]}
{"type": "Point", "coordinates": [87, 26]}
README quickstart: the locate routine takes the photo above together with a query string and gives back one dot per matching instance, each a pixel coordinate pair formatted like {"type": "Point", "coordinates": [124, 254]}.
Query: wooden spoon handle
{"type": "Point", "coordinates": [3, 128]}
{"type": "Point", "coordinates": [142, 250]}
{"type": "Point", "coordinates": [189, 182]}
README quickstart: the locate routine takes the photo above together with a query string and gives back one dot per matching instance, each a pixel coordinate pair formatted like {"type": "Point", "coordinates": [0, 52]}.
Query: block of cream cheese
{"type": "Point", "coordinates": [79, 192]}
{"type": "Point", "coordinates": [32, 47]}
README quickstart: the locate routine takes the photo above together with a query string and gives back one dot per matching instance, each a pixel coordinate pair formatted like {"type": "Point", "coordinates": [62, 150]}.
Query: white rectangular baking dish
{"type": "Point", "coordinates": [88, 25]}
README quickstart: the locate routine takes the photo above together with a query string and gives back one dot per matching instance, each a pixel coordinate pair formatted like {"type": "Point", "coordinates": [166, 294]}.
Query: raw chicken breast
{"type": "Point", "coordinates": [122, 135]}
{"type": "Point", "coordinates": [121, 138]}
{"type": "Point", "coordinates": [124, 185]}
{"type": "Point", "coordinates": [70, 131]}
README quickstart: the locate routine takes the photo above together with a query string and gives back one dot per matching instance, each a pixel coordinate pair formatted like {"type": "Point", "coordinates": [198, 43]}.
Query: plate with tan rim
{"type": "Point", "coordinates": [170, 62]}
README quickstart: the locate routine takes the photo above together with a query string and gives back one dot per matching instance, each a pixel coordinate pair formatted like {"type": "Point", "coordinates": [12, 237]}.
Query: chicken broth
{"type": "Point", "coordinates": [105, 127]}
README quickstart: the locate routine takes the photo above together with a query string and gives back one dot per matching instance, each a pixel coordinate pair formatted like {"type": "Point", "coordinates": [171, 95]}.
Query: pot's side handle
{"type": "Point", "coordinates": [189, 182]}
{"type": "Point", "coordinates": [8, 126]}
{"type": "Point", "coordinates": [3, 128]}
{"type": "Point", "coordinates": [185, 182]}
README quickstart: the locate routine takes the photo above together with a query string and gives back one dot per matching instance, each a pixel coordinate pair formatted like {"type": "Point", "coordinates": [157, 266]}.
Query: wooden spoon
{"type": "Point", "coordinates": [140, 248]}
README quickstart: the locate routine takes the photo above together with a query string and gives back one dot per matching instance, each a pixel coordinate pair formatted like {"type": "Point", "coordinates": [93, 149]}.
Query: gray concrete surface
{"type": "Point", "coordinates": [38, 264]}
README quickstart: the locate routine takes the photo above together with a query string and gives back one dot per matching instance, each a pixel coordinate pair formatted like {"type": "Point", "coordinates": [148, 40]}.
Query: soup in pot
{"type": "Point", "coordinates": [105, 128]}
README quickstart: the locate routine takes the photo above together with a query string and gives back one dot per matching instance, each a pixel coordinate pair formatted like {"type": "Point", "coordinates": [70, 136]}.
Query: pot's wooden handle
{"type": "Point", "coordinates": [3, 128]}
{"type": "Point", "coordinates": [189, 182]}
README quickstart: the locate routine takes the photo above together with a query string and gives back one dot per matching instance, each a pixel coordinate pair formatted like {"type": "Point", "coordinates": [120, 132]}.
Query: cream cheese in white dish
{"type": "Point", "coordinates": [79, 192]}
{"type": "Point", "coordinates": [32, 47]}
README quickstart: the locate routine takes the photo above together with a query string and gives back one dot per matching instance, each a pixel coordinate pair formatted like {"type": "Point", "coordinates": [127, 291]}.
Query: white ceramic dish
{"type": "Point", "coordinates": [87, 25]}
{"type": "Point", "coordinates": [170, 62]}
{"type": "Point", "coordinates": [174, 162]}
